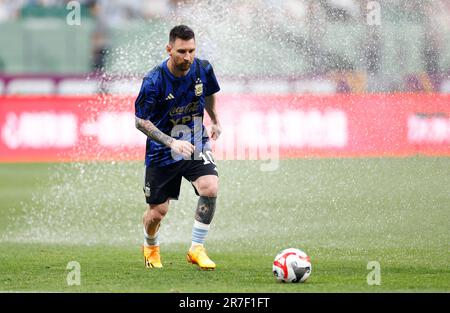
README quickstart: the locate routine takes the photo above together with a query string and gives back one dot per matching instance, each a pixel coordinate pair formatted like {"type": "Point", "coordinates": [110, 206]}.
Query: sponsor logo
{"type": "Point", "coordinates": [38, 130]}
{"type": "Point", "coordinates": [193, 107]}
{"type": "Point", "coordinates": [429, 128]}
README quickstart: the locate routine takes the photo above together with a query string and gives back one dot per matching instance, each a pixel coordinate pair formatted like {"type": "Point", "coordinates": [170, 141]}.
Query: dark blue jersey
{"type": "Point", "coordinates": [175, 105]}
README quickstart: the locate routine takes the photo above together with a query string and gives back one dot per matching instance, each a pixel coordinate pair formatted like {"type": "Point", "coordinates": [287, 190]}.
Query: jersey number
{"type": "Point", "coordinates": [206, 157]}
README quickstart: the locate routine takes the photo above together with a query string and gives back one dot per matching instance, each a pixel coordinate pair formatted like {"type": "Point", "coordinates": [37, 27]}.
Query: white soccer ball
{"type": "Point", "coordinates": [292, 266]}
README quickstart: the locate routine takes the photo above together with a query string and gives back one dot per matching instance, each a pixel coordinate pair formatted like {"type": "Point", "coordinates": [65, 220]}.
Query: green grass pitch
{"type": "Point", "coordinates": [343, 212]}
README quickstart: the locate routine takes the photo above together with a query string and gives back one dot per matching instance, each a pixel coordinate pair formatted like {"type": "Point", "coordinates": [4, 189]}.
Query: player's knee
{"type": "Point", "coordinates": [157, 216]}
{"type": "Point", "coordinates": [208, 191]}
{"type": "Point", "coordinates": [208, 188]}
{"type": "Point", "coordinates": [157, 212]}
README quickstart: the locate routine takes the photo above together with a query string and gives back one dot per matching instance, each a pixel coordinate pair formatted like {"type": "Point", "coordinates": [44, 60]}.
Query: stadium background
{"type": "Point", "coordinates": [336, 140]}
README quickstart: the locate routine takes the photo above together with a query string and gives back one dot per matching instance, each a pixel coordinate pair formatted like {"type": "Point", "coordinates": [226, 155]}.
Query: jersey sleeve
{"type": "Point", "coordinates": [146, 99]}
{"type": "Point", "coordinates": [212, 86]}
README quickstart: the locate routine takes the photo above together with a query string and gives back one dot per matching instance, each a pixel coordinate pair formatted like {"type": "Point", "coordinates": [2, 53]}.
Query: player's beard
{"type": "Point", "coordinates": [184, 66]}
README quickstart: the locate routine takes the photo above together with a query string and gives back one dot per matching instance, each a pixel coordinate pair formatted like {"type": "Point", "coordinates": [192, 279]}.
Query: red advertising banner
{"type": "Point", "coordinates": [254, 127]}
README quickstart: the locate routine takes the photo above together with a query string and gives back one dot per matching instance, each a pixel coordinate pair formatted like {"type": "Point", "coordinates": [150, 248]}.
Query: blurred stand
{"type": "Point", "coordinates": [100, 37]}
{"type": "Point", "coordinates": [291, 46]}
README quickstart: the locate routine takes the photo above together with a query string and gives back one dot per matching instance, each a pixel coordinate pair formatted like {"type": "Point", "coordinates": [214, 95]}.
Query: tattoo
{"type": "Point", "coordinates": [152, 131]}
{"type": "Point", "coordinates": [205, 209]}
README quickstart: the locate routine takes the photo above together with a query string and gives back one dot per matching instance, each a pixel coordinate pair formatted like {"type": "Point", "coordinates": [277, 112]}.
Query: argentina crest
{"type": "Point", "coordinates": [198, 87]}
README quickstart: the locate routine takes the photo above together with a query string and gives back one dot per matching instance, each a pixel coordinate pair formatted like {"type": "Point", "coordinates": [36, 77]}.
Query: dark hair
{"type": "Point", "coordinates": [181, 31]}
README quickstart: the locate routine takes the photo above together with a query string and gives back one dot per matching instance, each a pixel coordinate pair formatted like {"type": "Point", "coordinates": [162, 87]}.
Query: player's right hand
{"type": "Point", "coordinates": [185, 148]}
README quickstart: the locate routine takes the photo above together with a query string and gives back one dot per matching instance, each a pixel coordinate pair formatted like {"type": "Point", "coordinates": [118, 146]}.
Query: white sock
{"type": "Point", "coordinates": [199, 232]}
{"type": "Point", "coordinates": [151, 240]}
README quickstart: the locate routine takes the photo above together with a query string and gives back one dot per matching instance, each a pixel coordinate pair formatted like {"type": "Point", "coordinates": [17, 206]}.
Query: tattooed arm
{"type": "Point", "coordinates": [150, 130]}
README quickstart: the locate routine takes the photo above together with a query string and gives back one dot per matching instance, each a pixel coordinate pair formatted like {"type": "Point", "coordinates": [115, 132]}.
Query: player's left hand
{"type": "Point", "coordinates": [216, 130]}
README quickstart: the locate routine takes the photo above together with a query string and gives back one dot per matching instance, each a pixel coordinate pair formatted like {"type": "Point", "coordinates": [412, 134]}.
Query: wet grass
{"type": "Point", "coordinates": [343, 212]}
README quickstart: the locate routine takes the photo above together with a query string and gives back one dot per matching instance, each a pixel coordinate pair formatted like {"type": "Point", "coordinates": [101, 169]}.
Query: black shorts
{"type": "Point", "coordinates": [163, 183]}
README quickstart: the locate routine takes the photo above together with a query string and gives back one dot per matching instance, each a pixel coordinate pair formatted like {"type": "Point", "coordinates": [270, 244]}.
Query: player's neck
{"type": "Point", "coordinates": [176, 72]}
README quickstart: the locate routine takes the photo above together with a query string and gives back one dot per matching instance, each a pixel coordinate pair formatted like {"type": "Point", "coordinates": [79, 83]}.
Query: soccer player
{"type": "Point", "coordinates": [169, 110]}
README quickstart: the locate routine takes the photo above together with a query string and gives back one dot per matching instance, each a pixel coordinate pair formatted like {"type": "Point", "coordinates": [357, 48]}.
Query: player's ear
{"type": "Point", "coordinates": [169, 49]}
